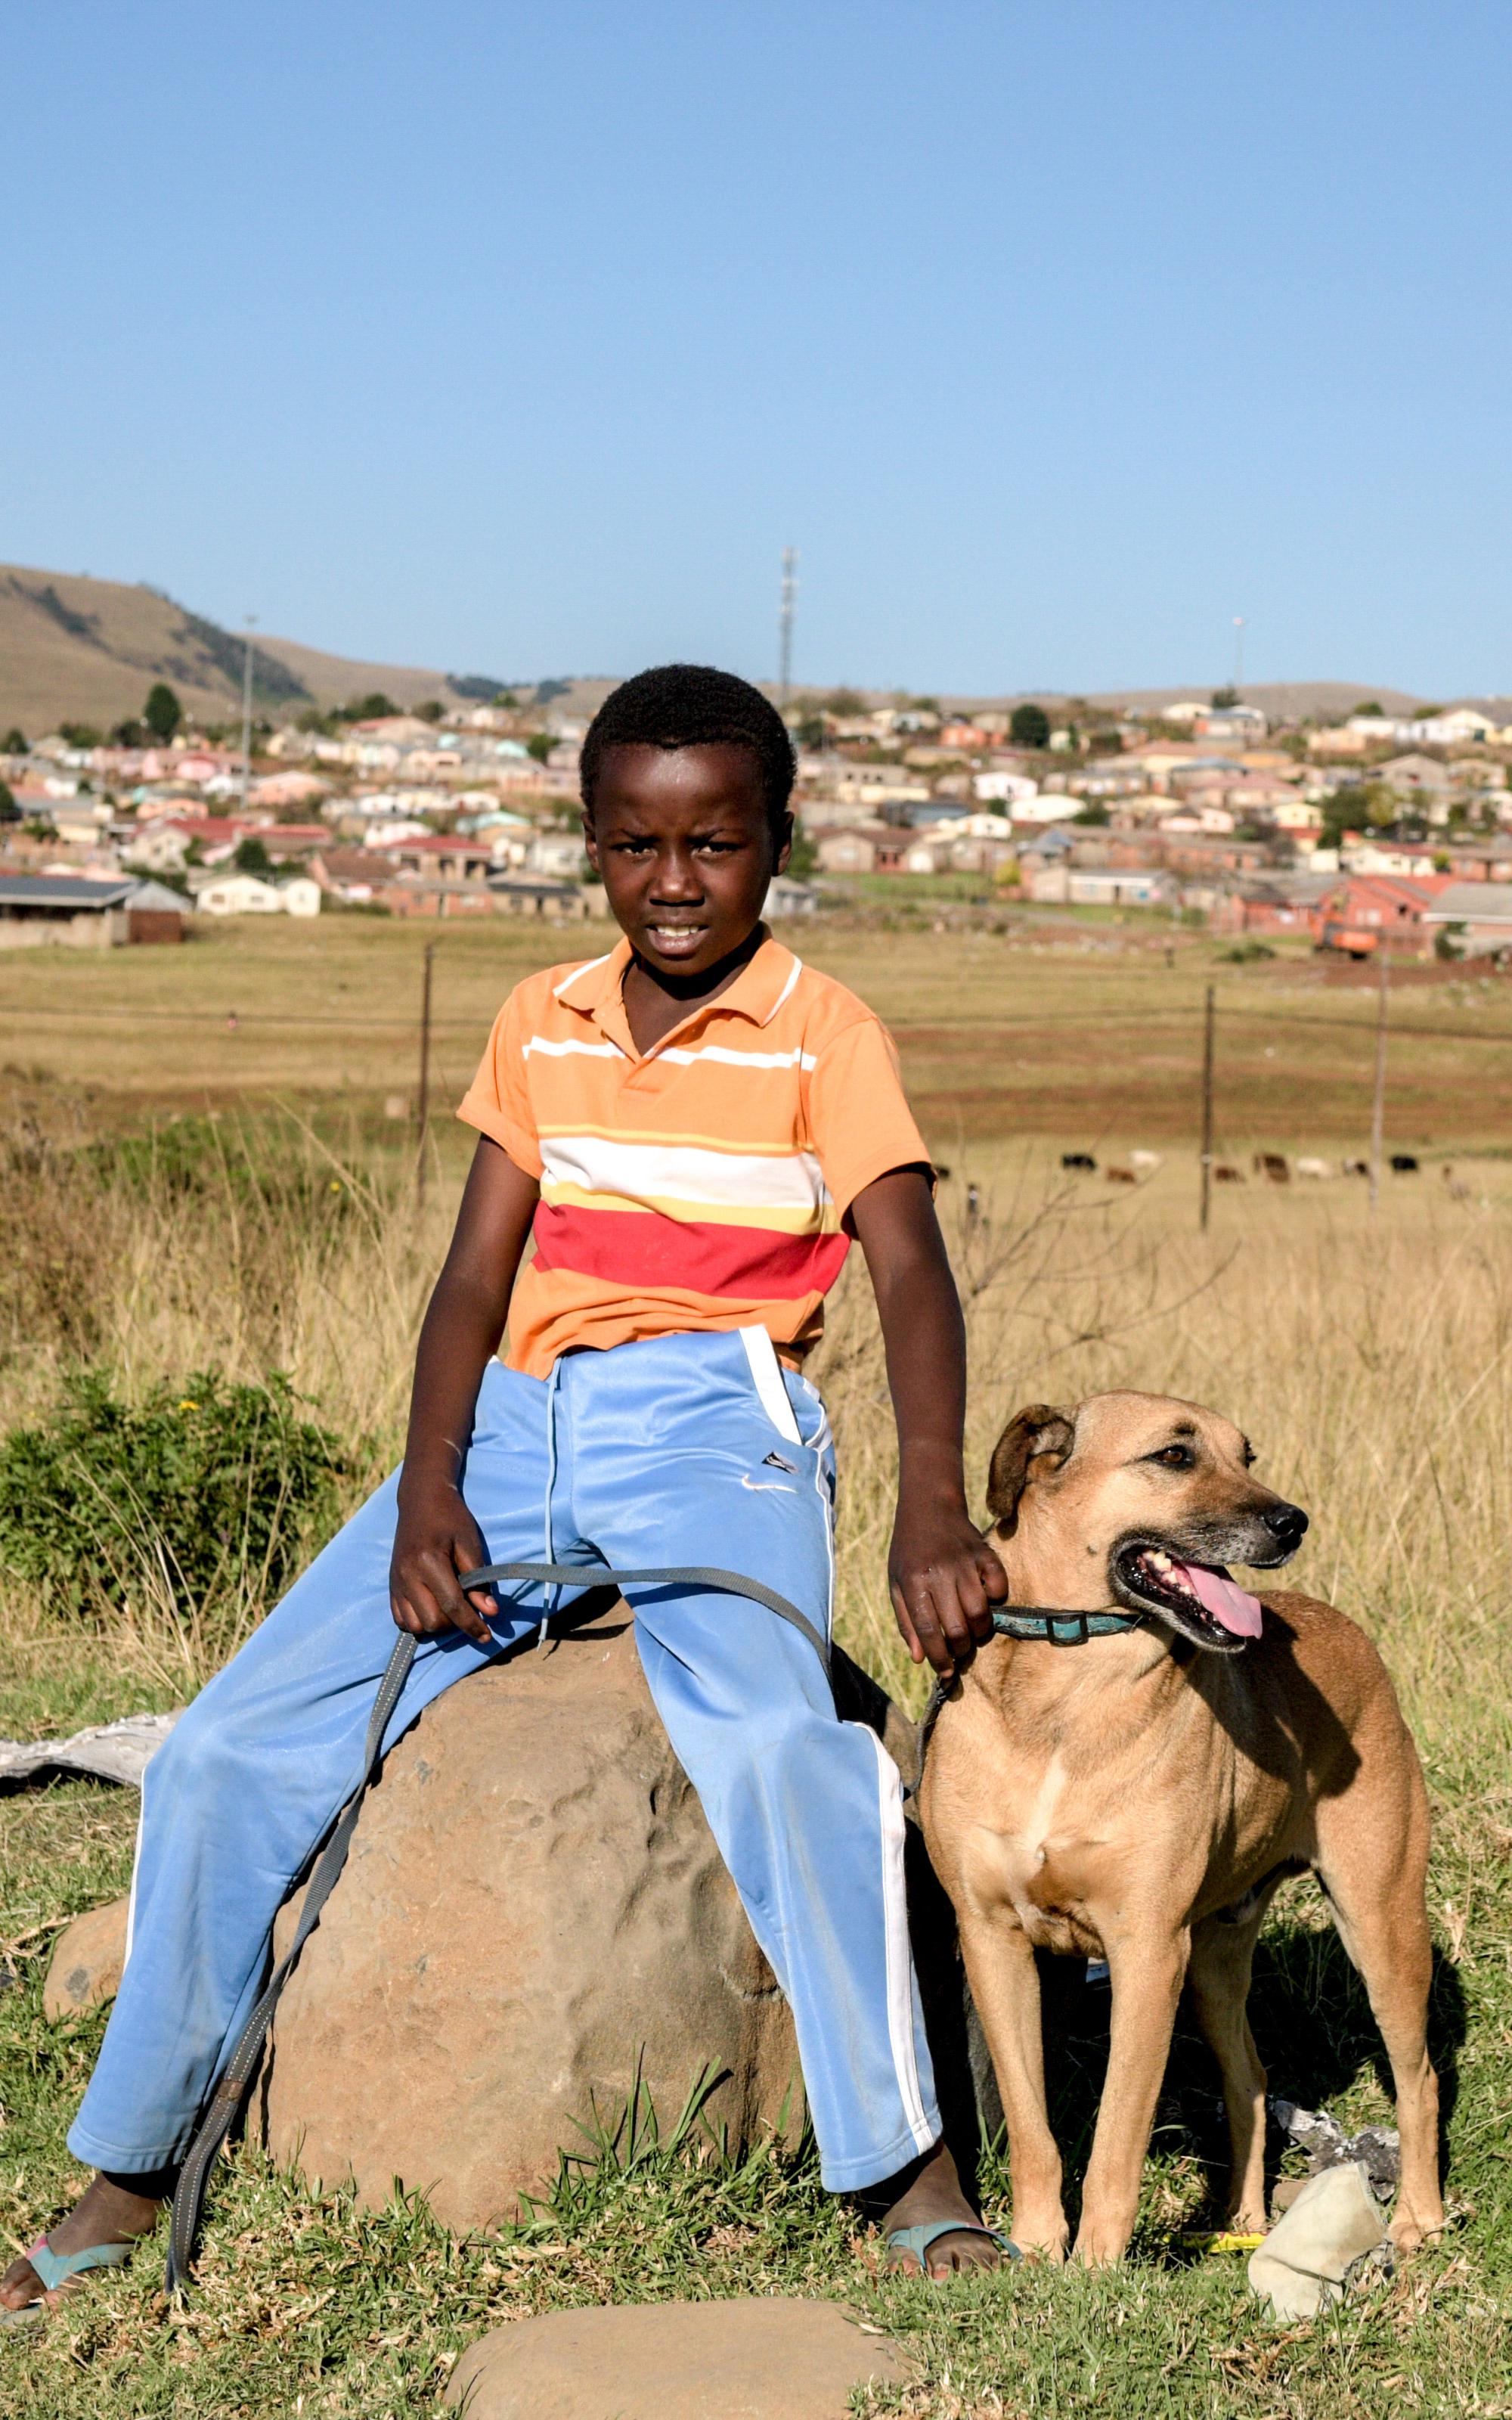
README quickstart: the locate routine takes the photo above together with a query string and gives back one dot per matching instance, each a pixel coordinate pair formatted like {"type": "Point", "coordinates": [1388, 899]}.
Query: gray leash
{"type": "Point", "coordinates": [194, 2178]}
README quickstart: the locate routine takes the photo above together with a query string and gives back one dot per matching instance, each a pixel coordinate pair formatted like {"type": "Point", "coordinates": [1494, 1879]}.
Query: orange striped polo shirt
{"type": "Point", "coordinates": [699, 1184]}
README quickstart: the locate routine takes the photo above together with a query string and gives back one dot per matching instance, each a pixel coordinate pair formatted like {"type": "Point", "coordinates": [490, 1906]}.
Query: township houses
{"type": "Point", "coordinates": [167, 843]}
{"type": "Point", "coordinates": [230, 893]}
{"type": "Point", "coordinates": [436, 855]}
{"type": "Point", "coordinates": [85, 913]}
{"type": "Point", "coordinates": [1366, 912]}
{"type": "Point", "coordinates": [1101, 886]}
{"type": "Point", "coordinates": [1475, 918]}
{"type": "Point", "coordinates": [1280, 902]}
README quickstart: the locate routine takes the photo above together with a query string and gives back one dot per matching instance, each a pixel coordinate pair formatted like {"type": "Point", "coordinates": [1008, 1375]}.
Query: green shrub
{"type": "Point", "coordinates": [203, 1489]}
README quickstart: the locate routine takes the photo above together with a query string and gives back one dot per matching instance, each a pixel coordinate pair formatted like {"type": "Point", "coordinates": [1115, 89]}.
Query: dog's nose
{"type": "Point", "coordinates": [1287, 1523]}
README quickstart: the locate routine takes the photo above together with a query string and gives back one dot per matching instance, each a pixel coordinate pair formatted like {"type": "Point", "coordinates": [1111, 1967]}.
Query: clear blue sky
{"type": "Point", "coordinates": [520, 339]}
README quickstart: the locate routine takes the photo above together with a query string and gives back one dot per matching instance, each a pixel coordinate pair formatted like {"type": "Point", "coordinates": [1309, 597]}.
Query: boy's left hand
{"type": "Point", "coordinates": [945, 1581]}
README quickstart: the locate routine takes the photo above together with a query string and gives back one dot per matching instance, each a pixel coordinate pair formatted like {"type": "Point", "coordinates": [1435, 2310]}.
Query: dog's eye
{"type": "Point", "coordinates": [1174, 1457]}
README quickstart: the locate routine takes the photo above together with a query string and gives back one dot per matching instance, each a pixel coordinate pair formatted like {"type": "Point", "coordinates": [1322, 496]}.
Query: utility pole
{"type": "Point", "coordinates": [784, 624]}
{"type": "Point", "coordinates": [246, 713]}
{"type": "Point", "coordinates": [423, 1105]}
{"type": "Point", "coordinates": [1377, 1106]}
{"type": "Point", "coordinates": [1206, 1108]}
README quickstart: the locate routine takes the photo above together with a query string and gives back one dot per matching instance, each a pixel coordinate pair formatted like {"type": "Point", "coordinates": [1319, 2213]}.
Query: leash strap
{"type": "Point", "coordinates": [194, 2178]}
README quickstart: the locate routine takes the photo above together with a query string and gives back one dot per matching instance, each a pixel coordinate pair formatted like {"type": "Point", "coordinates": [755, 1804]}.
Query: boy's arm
{"type": "Point", "coordinates": [943, 1574]}
{"type": "Point", "coordinates": [437, 1537]}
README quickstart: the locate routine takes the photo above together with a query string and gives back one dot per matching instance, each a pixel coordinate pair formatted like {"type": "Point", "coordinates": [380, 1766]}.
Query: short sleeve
{"type": "Point", "coordinates": [860, 1121]}
{"type": "Point", "coordinates": [498, 1100]}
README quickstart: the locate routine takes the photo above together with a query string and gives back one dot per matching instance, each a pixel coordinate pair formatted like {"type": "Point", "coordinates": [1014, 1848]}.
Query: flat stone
{"type": "Point", "coordinates": [87, 1962]}
{"type": "Point", "coordinates": [755, 2359]}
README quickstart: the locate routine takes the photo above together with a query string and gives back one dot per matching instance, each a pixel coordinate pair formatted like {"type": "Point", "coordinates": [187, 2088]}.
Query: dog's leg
{"type": "Point", "coordinates": [1222, 1955]}
{"type": "Point", "coordinates": [1376, 1891]}
{"type": "Point", "coordinates": [1148, 1968]}
{"type": "Point", "coordinates": [1005, 1985]}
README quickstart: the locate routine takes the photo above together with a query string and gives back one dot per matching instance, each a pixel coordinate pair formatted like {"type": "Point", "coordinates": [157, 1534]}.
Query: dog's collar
{"type": "Point", "coordinates": [1058, 1628]}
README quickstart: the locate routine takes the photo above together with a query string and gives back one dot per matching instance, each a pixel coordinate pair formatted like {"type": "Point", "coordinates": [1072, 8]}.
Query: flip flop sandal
{"type": "Point", "coordinates": [54, 2269]}
{"type": "Point", "coordinates": [918, 2239]}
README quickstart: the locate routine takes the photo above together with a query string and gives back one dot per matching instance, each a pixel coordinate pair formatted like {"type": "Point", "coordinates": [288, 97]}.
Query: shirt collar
{"type": "Point", "coordinates": [757, 991]}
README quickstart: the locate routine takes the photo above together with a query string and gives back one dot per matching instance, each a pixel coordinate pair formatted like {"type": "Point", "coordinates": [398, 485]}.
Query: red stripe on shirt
{"type": "Point", "coordinates": [631, 1247]}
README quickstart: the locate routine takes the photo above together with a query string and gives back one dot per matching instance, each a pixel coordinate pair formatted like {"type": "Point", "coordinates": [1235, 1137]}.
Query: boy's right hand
{"type": "Point", "coordinates": [436, 1541]}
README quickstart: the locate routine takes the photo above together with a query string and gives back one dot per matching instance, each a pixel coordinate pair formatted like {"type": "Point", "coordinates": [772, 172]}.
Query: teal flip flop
{"type": "Point", "coordinates": [918, 2239]}
{"type": "Point", "coordinates": [54, 2269]}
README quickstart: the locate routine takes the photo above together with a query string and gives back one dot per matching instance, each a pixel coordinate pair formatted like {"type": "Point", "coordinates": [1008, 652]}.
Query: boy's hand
{"type": "Point", "coordinates": [945, 1581]}
{"type": "Point", "coordinates": [436, 1541]}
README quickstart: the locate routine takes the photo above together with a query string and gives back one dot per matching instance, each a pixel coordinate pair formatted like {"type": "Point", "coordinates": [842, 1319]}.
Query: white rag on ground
{"type": "Point", "coordinates": [1333, 2221]}
{"type": "Point", "coordinates": [117, 1751]}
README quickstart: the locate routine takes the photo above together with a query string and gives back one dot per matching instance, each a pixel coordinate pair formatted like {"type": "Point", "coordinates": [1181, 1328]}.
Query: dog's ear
{"type": "Point", "coordinates": [1039, 1429]}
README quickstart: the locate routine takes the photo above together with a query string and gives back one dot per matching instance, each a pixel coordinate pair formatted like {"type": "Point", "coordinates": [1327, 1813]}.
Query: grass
{"type": "Point", "coordinates": [1370, 1359]}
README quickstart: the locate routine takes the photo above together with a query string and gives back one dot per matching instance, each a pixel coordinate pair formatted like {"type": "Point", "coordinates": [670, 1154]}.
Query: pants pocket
{"type": "Point", "coordinates": [766, 1378]}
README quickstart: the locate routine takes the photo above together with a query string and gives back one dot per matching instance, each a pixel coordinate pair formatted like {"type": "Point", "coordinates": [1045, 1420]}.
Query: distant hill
{"type": "Point", "coordinates": [1276, 698]}
{"type": "Point", "coordinates": [81, 650]}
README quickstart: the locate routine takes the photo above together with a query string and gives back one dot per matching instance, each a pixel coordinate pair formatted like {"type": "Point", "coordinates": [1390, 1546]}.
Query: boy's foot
{"type": "Point", "coordinates": [926, 2193]}
{"type": "Point", "coordinates": [106, 2213]}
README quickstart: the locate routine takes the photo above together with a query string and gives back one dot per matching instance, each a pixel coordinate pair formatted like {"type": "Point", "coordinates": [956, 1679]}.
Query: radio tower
{"type": "Point", "coordinates": [784, 624]}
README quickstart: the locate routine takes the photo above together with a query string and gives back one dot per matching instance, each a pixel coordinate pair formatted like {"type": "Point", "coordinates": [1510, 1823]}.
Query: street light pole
{"type": "Point", "coordinates": [784, 624]}
{"type": "Point", "coordinates": [246, 713]}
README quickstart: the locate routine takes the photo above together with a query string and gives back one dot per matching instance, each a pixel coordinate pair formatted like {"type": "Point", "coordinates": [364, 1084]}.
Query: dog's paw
{"type": "Point", "coordinates": [1410, 2229]}
{"type": "Point", "coordinates": [1098, 2247]}
{"type": "Point", "coordinates": [1046, 2243]}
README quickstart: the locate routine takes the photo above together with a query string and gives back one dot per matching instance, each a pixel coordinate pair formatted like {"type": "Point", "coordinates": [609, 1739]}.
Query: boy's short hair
{"type": "Point", "coordinates": [693, 706]}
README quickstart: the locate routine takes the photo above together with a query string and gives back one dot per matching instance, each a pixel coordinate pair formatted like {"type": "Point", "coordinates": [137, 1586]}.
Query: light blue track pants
{"type": "Point", "coordinates": [682, 1449]}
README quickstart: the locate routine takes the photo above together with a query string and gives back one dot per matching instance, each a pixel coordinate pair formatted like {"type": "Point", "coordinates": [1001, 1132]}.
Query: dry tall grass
{"type": "Point", "coordinates": [1370, 1361]}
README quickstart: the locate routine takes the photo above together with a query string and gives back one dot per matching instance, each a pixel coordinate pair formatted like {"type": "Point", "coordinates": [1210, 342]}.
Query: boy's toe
{"type": "Point", "coordinates": [20, 2286]}
{"type": "Point", "coordinates": [954, 2254]}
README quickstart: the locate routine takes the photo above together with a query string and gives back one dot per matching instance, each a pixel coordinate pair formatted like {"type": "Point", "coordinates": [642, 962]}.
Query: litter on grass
{"type": "Point", "coordinates": [118, 1751]}
{"type": "Point", "coordinates": [1377, 2149]}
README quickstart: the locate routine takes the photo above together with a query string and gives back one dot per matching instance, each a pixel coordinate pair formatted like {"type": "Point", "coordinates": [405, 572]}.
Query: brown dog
{"type": "Point", "coordinates": [1140, 1798]}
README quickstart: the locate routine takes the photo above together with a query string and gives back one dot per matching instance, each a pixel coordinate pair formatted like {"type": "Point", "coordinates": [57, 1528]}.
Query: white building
{"type": "Point", "coordinates": [1004, 785]}
{"type": "Point", "coordinates": [560, 854]}
{"type": "Point", "coordinates": [253, 894]}
{"type": "Point", "coordinates": [1091, 886]}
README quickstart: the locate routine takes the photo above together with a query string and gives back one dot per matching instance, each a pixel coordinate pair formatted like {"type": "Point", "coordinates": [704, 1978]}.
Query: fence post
{"type": "Point", "coordinates": [422, 1104]}
{"type": "Point", "coordinates": [1377, 1106]}
{"type": "Point", "coordinates": [1206, 1108]}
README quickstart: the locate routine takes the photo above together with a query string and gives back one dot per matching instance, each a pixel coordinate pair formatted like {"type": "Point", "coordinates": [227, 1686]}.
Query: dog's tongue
{"type": "Point", "coordinates": [1234, 1607]}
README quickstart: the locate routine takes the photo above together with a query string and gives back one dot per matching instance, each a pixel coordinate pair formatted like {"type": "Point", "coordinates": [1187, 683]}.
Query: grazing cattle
{"type": "Point", "coordinates": [1122, 1176]}
{"type": "Point", "coordinates": [1225, 1174]}
{"type": "Point", "coordinates": [1081, 1161]}
{"type": "Point", "coordinates": [1273, 1165]}
{"type": "Point", "coordinates": [1145, 1161]}
{"type": "Point", "coordinates": [1316, 1169]}
{"type": "Point", "coordinates": [1354, 1168]}
{"type": "Point", "coordinates": [1403, 1164]}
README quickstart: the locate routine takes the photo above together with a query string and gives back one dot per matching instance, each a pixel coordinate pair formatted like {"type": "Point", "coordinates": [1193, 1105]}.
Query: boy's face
{"type": "Point", "coordinates": [683, 842]}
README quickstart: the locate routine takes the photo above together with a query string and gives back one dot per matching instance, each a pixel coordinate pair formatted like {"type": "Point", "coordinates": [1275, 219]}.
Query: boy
{"type": "Point", "coordinates": [690, 1129]}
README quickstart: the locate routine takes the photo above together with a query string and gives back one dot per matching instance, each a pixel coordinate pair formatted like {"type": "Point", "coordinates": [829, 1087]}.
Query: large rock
{"type": "Point", "coordinates": [86, 1960]}
{"type": "Point", "coordinates": [755, 2360]}
{"type": "Point", "coordinates": [533, 1917]}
